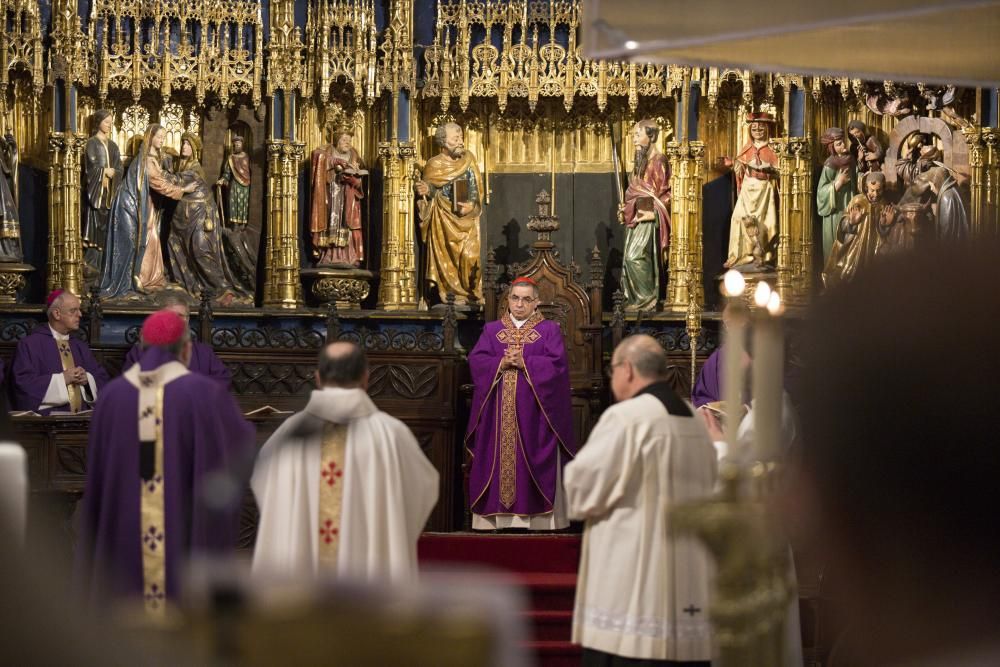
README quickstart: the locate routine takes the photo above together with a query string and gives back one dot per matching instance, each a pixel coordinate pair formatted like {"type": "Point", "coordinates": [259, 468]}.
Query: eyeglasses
{"type": "Point", "coordinates": [528, 300]}
{"type": "Point", "coordinates": [613, 366]}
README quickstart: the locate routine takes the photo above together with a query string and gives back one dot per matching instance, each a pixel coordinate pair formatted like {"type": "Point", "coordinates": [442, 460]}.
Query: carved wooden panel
{"type": "Point", "coordinates": [402, 381]}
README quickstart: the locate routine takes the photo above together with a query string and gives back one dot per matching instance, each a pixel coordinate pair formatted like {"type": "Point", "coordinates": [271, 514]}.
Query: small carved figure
{"type": "Point", "coordinates": [868, 152]}
{"type": "Point", "coordinates": [240, 254]}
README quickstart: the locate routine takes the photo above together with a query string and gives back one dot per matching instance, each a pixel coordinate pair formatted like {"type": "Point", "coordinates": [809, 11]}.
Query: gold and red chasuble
{"type": "Point", "coordinates": [514, 338]}
{"type": "Point", "coordinates": [331, 492]}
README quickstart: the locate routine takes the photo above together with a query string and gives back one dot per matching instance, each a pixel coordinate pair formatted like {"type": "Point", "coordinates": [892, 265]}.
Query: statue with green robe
{"type": "Point", "coordinates": [645, 212]}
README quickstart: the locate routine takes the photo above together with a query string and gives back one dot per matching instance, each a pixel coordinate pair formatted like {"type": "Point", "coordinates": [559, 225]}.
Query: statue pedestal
{"type": "Point", "coordinates": [344, 286]}
{"type": "Point", "coordinates": [12, 279]}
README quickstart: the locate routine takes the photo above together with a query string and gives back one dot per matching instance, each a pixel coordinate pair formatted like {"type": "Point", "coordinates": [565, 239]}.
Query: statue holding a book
{"type": "Point", "coordinates": [449, 205]}
{"type": "Point", "coordinates": [335, 214]}
{"type": "Point", "coordinates": [645, 212]}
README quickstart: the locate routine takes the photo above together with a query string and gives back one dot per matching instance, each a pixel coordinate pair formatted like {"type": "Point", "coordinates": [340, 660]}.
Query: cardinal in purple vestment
{"type": "Point", "coordinates": [521, 429]}
{"type": "Point", "coordinates": [51, 370]}
{"type": "Point", "coordinates": [168, 461]}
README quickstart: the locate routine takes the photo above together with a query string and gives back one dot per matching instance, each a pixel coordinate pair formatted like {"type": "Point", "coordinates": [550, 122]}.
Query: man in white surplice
{"type": "Point", "coordinates": [643, 592]}
{"type": "Point", "coordinates": [343, 488]}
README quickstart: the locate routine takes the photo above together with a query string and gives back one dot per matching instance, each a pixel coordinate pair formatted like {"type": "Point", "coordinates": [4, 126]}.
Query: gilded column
{"type": "Point", "coordinates": [65, 243]}
{"type": "Point", "coordinates": [795, 237]}
{"type": "Point", "coordinates": [286, 75]}
{"type": "Point", "coordinates": [991, 194]}
{"type": "Point", "coordinates": [984, 171]}
{"type": "Point", "coordinates": [283, 288]}
{"type": "Point", "coordinates": [398, 288]}
{"type": "Point", "coordinates": [687, 175]}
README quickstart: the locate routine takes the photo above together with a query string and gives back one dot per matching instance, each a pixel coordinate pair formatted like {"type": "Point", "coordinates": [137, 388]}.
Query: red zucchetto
{"type": "Point", "coordinates": [524, 280]}
{"type": "Point", "coordinates": [164, 327]}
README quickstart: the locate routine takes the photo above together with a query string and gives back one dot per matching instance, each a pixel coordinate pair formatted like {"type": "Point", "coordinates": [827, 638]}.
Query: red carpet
{"type": "Point", "coordinates": [547, 565]}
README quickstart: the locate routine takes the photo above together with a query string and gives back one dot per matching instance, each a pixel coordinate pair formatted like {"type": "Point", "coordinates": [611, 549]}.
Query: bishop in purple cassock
{"type": "Point", "coordinates": [169, 458]}
{"type": "Point", "coordinates": [708, 387]}
{"type": "Point", "coordinates": [203, 357]}
{"type": "Point", "coordinates": [52, 370]}
{"type": "Point", "coordinates": [204, 361]}
{"type": "Point", "coordinates": [521, 430]}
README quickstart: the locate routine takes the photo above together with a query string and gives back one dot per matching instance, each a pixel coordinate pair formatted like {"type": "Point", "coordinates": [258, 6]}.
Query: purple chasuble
{"type": "Point", "coordinates": [520, 419]}
{"type": "Point", "coordinates": [708, 388]}
{"type": "Point", "coordinates": [36, 360]}
{"type": "Point", "coordinates": [208, 450]}
{"type": "Point", "coordinates": [203, 361]}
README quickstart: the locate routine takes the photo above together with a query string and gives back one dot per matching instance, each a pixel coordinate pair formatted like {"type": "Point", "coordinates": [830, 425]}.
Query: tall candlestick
{"type": "Point", "coordinates": [768, 380]}
{"type": "Point", "coordinates": [732, 378]}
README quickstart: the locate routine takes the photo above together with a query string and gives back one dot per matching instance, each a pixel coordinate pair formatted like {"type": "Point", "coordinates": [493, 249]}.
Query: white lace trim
{"type": "Point", "coordinates": [647, 626]}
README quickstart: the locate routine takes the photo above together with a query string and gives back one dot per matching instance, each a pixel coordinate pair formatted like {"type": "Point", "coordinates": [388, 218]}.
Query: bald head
{"type": "Point", "coordinates": [342, 364]}
{"type": "Point", "coordinates": [637, 362]}
{"type": "Point", "coordinates": [64, 313]}
{"type": "Point", "coordinates": [646, 355]}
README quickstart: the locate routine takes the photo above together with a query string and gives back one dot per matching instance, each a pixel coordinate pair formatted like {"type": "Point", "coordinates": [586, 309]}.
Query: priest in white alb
{"type": "Point", "coordinates": [343, 488]}
{"type": "Point", "coordinates": [643, 592]}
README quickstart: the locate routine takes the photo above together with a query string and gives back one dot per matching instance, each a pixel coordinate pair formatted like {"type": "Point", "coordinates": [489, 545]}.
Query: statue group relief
{"type": "Point", "coordinates": [157, 222]}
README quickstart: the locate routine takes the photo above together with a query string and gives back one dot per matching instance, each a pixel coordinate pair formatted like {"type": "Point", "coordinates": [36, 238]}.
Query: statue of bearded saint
{"type": "Point", "coordinates": [860, 233]}
{"type": "Point", "coordinates": [449, 205]}
{"type": "Point", "coordinates": [646, 216]}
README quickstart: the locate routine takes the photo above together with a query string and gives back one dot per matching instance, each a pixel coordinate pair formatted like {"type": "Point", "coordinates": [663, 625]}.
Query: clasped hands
{"type": "Point", "coordinates": [512, 358]}
{"type": "Point", "coordinates": [75, 376]}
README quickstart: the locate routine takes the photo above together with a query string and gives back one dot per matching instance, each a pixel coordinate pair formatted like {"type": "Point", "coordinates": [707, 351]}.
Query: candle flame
{"type": "Point", "coordinates": [762, 294]}
{"type": "Point", "coordinates": [733, 283]}
{"type": "Point", "coordinates": [774, 305]}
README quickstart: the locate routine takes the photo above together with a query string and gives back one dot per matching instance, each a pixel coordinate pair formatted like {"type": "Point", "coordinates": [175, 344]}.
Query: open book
{"type": "Point", "coordinates": [68, 413]}
{"type": "Point", "coordinates": [266, 410]}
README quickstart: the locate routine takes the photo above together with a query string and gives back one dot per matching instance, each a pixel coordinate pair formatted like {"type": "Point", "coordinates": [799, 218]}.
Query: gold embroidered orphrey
{"type": "Point", "coordinates": [331, 492]}
{"type": "Point", "coordinates": [514, 338]}
{"type": "Point", "coordinates": [68, 364]}
{"type": "Point", "coordinates": [152, 514]}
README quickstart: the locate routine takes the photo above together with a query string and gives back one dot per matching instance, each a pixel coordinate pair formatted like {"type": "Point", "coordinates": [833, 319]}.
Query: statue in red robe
{"type": "Point", "coordinates": [335, 217]}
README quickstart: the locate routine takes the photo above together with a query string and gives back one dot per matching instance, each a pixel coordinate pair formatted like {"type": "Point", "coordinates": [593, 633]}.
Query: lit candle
{"type": "Point", "coordinates": [768, 377]}
{"type": "Point", "coordinates": [732, 378]}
